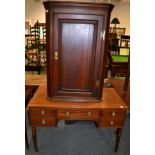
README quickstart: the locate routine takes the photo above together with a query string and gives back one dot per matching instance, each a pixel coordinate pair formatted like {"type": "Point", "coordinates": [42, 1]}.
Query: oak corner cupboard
{"type": "Point", "coordinates": [76, 43]}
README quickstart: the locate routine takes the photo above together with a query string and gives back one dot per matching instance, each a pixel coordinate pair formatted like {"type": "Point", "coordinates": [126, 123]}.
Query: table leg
{"type": "Point", "coordinates": [96, 124]}
{"type": "Point", "coordinates": [118, 135]}
{"type": "Point", "coordinates": [26, 139]}
{"type": "Point", "coordinates": [34, 136]}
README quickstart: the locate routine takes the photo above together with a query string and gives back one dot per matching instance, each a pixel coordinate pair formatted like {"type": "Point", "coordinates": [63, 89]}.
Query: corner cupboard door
{"type": "Point", "coordinates": [76, 51]}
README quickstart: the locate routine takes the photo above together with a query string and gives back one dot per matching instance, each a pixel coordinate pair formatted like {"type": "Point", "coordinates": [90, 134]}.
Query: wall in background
{"type": "Point", "coordinates": [34, 10]}
{"type": "Point", "coordinates": [122, 12]}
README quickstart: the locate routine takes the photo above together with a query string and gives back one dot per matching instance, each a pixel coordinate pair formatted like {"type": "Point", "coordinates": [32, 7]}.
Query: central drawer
{"type": "Point", "coordinates": [78, 114]}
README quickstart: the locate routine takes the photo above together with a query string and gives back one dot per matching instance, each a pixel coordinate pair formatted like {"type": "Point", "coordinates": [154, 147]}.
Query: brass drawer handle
{"type": "Point", "coordinates": [67, 113]}
{"type": "Point", "coordinates": [111, 122]}
{"type": "Point", "coordinates": [113, 114]}
{"type": "Point", "coordinates": [43, 112]}
{"type": "Point", "coordinates": [89, 113]}
{"type": "Point", "coordinates": [43, 122]}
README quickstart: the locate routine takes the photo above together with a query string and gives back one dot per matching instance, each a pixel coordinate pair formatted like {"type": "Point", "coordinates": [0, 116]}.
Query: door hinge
{"type": "Point", "coordinates": [97, 83]}
{"type": "Point", "coordinates": [102, 35]}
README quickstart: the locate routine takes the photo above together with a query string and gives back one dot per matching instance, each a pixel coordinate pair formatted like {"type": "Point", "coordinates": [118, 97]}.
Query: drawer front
{"type": "Point", "coordinates": [112, 118]}
{"type": "Point", "coordinates": [115, 115]}
{"type": "Point", "coordinates": [42, 121]}
{"type": "Point", "coordinates": [81, 114]}
{"type": "Point", "coordinates": [111, 123]}
{"type": "Point", "coordinates": [42, 112]}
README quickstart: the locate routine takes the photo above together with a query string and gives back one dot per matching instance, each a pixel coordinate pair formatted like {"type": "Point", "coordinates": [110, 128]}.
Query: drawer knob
{"type": "Point", "coordinates": [67, 113]}
{"type": "Point", "coordinates": [113, 114]}
{"type": "Point", "coordinates": [89, 113]}
{"type": "Point", "coordinates": [111, 122]}
{"type": "Point", "coordinates": [42, 112]}
{"type": "Point", "coordinates": [43, 122]}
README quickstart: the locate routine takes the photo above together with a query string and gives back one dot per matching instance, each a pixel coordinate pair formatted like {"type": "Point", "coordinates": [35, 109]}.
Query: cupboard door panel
{"type": "Point", "coordinates": [77, 40]}
{"type": "Point", "coordinates": [76, 55]}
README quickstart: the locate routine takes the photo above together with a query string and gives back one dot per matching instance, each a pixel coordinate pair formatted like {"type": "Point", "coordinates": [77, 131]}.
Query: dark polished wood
{"type": "Point", "coordinates": [29, 92]}
{"type": "Point", "coordinates": [118, 136]}
{"type": "Point", "coordinates": [76, 40]}
{"type": "Point", "coordinates": [26, 138]}
{"type": "Point", "coordinates": [34, 136]}
{"type": "Point", "coordinates": [110, 112]}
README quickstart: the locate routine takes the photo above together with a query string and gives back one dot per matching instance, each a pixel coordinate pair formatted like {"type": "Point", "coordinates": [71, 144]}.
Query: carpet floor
{"type": "Point", "coordinates": [79, 138]}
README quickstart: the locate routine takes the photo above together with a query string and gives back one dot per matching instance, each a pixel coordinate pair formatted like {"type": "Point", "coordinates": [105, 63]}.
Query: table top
{"type": "Point", "coordinates": [111, 100]}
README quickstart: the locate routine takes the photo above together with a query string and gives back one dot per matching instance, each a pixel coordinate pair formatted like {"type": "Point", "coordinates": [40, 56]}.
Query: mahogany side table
{"type": "Point", "coordinates": [110, 112]}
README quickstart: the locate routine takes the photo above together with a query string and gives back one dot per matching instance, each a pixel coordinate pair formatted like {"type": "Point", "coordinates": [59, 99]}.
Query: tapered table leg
{"type": "Point", "coordinates": [118, 135]}
{"type": "Point", "coordinates": [34, 136]}
{"type": "Point", "coordinates": [26, 139]}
